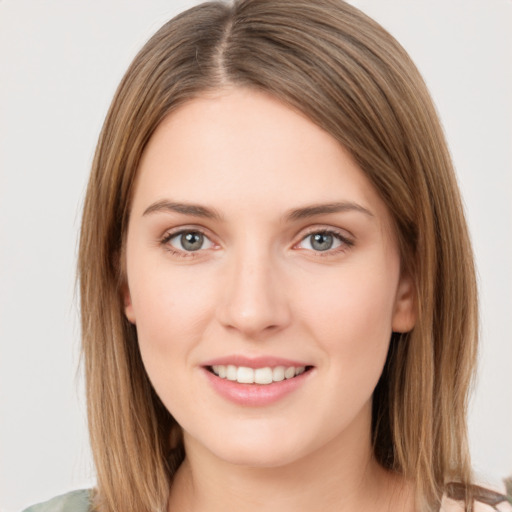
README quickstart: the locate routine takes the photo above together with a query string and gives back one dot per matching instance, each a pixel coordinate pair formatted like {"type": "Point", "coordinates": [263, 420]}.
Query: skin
{"type": "Point", "coordinates": [258, 286]}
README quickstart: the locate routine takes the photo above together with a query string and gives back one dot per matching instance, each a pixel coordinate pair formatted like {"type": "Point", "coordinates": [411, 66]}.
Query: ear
{"type": "Point", "coordinates": [127, 303]}
{"type": "Point", "coordinates": [404, 314]}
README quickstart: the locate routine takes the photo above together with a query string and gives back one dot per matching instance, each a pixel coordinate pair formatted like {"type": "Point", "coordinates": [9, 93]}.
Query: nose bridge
{"type": "Point", "coordinates": [254, 300]}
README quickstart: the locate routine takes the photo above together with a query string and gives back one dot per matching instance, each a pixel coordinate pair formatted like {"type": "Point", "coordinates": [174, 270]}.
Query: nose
{"type": "Point", "coordinates": [254, 296]}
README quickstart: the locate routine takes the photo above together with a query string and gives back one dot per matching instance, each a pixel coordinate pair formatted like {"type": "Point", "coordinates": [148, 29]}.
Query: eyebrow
{"type": "Point", "coordinates": [295, 214]}
{"type": "Point", "coordinates": [196, 210]}
{"type": "Point", "coordinates": [325, 208]}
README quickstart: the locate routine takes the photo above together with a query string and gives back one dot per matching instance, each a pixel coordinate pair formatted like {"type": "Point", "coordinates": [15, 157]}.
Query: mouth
{"type": "Point", "coordinates": [263, 376]}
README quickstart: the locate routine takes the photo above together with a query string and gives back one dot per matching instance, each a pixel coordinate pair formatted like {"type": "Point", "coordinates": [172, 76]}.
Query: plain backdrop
{"type": "Point", "coordinates": [60, 62]}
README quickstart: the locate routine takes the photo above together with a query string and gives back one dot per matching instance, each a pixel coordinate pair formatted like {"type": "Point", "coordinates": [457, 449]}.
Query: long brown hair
{"type": "Point", "coordinates": [349, 76]}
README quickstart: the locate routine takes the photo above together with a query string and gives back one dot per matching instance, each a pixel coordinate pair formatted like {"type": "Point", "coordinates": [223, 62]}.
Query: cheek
{"type": "Point", "coordinates": [171, 310]}
{"type": "Point", "coordinates": [172, 313]}
{"type": "Point", "coordinates": [350, 314]}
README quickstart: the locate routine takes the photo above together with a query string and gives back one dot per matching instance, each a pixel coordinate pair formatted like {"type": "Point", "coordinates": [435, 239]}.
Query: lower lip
{"type": "Point", "coordinates": [255, 395]}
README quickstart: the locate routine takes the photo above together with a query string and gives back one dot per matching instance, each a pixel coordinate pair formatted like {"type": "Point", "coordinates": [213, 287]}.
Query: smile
{"type": "Point", "coordinates": [265, 375]}
{"type": "Point", "coordinates": [254, 383]}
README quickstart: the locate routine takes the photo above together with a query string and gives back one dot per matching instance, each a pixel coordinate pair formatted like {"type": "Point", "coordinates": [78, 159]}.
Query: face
{"type": "Point", "coordinates": [263, 278]}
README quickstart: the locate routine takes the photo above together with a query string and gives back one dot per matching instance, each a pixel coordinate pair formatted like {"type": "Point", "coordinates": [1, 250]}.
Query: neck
{"type": "Point", "coordinates": [342, 476]}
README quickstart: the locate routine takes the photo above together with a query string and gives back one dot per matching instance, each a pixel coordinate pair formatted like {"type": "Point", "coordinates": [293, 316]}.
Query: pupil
{"type": "Point", "coordinates": [192, 241]}
{"type": "Point", "coordinates": [322, 241]}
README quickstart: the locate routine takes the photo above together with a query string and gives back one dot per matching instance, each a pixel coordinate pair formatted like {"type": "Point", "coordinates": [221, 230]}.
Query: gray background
{"type": "Point", "coordinates": [60, 61]}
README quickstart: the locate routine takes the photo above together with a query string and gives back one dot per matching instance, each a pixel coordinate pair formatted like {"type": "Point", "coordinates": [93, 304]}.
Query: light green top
{"type": "Point", "coordinates": [76, 501]}
{"type": "Point", "coordinates": [79, 501]}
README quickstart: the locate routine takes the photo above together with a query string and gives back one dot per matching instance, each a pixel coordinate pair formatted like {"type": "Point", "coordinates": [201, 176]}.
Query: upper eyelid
{"type": "Point", "coordinates": [172, 232]}
{"type": "Point", "coordinates": [327, 229]}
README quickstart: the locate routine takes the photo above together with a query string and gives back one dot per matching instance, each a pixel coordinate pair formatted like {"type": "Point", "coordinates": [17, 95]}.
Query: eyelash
{"type": "Point", "coordinates": [346, 242]}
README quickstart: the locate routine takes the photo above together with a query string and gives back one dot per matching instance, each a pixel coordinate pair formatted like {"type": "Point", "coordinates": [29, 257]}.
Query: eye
{"type": "Point", "coordinates": [186, 241]}
{"type": "Point", "coordinates": [327, 241]}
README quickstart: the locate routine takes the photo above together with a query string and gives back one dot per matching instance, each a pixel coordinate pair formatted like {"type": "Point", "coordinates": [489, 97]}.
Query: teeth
{"type": "Point", "coordinates": [289, 372]}
{"type": "Point", "coordinates": [265, 375]}
{"type": "Point", "coordinates": [231, 373]}
{"type": "Point", "coordinates": [245, 375]}
{"type": "Point", "coordinates": [278, 373]}
{"type": "Point", "coordinates": [220, 370]}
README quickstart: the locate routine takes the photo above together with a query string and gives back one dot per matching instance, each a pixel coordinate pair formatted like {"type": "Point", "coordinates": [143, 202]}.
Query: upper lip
{"type": "Point", "coordinates": [254, 362]}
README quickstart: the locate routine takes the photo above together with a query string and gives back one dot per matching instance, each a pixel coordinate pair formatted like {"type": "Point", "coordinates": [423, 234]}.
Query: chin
{"type": "Point", "coordinates": [253, 449]}
{"type": "Point", "coordinates": [260, 457]}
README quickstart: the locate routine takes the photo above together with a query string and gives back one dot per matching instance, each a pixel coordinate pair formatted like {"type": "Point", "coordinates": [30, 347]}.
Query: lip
{"type": "Point", "coordinates": [255, 362]}
{"type": "Point", "coordinates": [255, 395]}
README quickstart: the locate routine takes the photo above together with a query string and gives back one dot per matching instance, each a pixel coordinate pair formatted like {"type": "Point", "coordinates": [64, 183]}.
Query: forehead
{"type": "Point", "coordinates": [244, 149]}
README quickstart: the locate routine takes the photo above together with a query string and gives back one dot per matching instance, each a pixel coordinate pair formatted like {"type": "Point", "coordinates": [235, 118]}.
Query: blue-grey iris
{"type": "Point", "coordinates": [321, 241]}
{"type": "Point", "coordinates": [192, 241]}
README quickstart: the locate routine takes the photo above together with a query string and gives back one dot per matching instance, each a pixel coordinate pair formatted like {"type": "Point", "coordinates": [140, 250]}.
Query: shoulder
{"type": "Point", "coordinates": [450, 505]}
{"type": "Point", "coordinates": [490, 498]}
{"type": "Point", "coordinates": [75, 501]}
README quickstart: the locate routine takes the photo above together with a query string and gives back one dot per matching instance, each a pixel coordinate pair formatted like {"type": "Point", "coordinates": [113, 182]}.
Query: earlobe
{"type": "Point", "coordinates": [127, 303]}
{"type": "Point", "coordinates": [404, 315]}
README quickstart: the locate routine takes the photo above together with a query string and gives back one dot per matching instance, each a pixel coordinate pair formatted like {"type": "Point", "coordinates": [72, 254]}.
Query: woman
{"type": "Point", "coordinates": [277, 287]}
